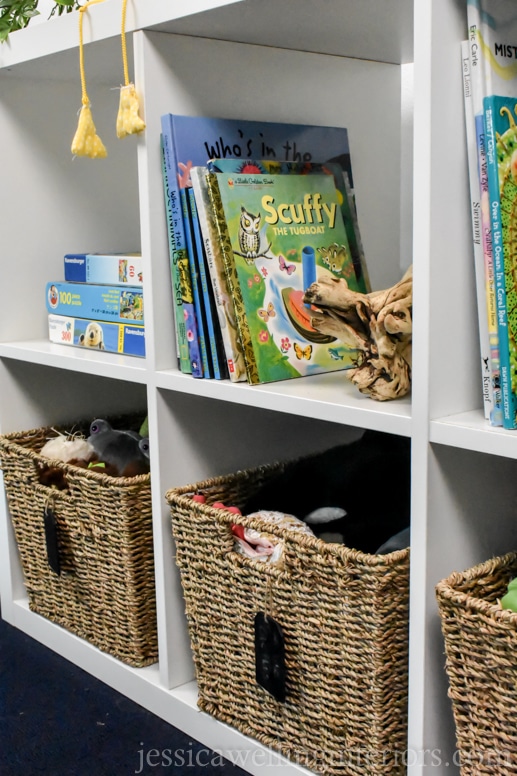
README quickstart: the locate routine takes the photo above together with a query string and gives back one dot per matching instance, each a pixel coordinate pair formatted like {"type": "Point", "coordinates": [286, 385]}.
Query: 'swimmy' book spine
{"type": "Point", "coordinates": [176, 254]}
{"type": "Point", "coordinates": [180, 256]}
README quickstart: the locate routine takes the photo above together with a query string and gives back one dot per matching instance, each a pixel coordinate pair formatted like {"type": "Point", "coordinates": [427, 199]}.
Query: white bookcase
{"type": "Point", "coordinates": [390, 72]}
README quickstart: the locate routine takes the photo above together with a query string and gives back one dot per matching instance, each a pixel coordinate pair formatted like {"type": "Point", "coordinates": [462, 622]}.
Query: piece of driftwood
{"type": "Point", "coordinates": [378, 325]}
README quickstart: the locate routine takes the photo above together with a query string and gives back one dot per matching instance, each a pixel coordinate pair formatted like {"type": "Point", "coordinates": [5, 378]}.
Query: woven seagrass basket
{"type": "Point", "coordinates": [104, 591]}
{"type": "Point", "coordinates": [344, 616]}
{"type": "Point", "coordinates": [481, 664]}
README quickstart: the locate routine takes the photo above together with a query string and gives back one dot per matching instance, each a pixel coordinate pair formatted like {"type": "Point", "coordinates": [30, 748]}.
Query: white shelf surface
{"type": "Point", "coordinates": [46, 353]}
{"type": "Point", "coordinates": [470, 431]}
{"type": "Point", "coordinates": [329, 397]}
{"type": "Point", "coordinates": [177, 707]}
{"type": "Point", "coordinates": [328, 27]}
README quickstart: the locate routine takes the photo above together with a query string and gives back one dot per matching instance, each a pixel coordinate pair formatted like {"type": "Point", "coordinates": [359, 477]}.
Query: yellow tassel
{"type": "Point", "coordinates": [128, 120]}
{"type": "Point", "coordinates": [86, 141]}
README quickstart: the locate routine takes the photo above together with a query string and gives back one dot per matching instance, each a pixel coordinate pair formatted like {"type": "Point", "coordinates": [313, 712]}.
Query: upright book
{"type": "Point", "coordinates": [195, 139]}
{"type": "Point", "coordinates": [473, 149]}
{"type": "Point", "coordinates": [495, 23]}
{"type": "Point", "coordinates": [353, 250]}
{"type": "Point", "coordinates": [262, 166]}
{"type": "Point", "coordinates": [280, 233]}
{"type": "Point", "coordinates": [477, 79]}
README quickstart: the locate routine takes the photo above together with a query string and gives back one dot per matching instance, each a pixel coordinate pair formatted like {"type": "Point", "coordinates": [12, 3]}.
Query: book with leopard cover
{"type": "Point", "coordinates": [278, 235]}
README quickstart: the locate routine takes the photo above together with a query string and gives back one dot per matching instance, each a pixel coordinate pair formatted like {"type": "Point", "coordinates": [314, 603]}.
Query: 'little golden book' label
{"type": "Point", "coordinates": [284, 232]}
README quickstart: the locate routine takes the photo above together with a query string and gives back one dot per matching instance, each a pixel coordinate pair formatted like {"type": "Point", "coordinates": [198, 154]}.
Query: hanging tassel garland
{"type": "Point", "coordinates": [86, 141]}
{"type": "Point", "coordinates": [128, 120]}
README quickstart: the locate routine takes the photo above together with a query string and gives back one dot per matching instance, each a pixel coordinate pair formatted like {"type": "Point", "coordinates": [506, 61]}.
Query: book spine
{"type": "Point", "coordinates": [205, 289]}
{"type": "Point", "coordinates": [176, 254]}
{"type": "Point", "coordinates": [227, 326]}
{"type": "Point", "coordinates": [232, 279]}
{"type": "Point", "coordinates": [196, 286]}
{"type": "Point", "coordinates": [478, 92]}
{"type": "Point", "coordinates": [355, 242]}
{"type": "Point", "coordinates": [509, 408]}
{"type": "Point", "coordinates": [496, 417]}
{"type": "Point", "coordinates": [472, 135]}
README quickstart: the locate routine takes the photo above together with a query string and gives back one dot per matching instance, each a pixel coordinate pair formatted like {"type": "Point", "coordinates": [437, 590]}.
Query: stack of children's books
{"type": "Point", "coordinates": [257, 212]}
{"type": "Point", "coordinates": [99, 305]}
{"type": "Point", "coordinates": [489, 65]}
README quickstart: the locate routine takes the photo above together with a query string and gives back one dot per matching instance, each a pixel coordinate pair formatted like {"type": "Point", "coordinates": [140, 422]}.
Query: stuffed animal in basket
{"type": "Point", "coordinates": [126, 451]}
{"type": "Point", "coordinates": [119, 453]}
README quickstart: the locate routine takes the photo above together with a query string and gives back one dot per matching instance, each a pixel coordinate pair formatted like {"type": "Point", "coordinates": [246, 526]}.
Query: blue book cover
{"type": "Point", "coordinates": [116, 304]}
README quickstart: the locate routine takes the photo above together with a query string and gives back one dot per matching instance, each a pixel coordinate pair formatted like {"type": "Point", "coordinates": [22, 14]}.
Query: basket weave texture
{"type": "Point", "coordinates": [344, 616]}
{"type": "Point", "coordinates": [105, 592]}
{"type": "Point", "coordinates": [481, 664]}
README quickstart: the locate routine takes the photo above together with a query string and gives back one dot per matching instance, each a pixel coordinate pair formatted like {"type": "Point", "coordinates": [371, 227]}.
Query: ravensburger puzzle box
{"type": "Point", "coordinates": [116, 304]}
{"type": "Point", "coordinates": [124, 338]}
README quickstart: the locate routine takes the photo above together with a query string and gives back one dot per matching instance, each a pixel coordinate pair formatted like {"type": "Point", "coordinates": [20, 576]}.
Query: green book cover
{"type": "Point", "coordinates": [279, 234]}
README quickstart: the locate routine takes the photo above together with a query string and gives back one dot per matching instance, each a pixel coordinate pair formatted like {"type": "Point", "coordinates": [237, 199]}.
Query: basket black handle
{"type": "Point", "coordinates": [51, 540]}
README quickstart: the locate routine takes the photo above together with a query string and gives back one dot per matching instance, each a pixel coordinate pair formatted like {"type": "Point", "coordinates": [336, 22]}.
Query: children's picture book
{"type": "Point", "coordinates": [187, 345]}
{"type": "Point", "coordinates": [117, 304]}
{"type": "Point", "coordinates": [478, 92]}
{"type": "Point", "coordinates": [225, 316]}
{"type": "Point", "coordinates": [279, 234]}
{"type": "Point", "coordinates": [495, 25]}
{"type": "Point", "coordinates": [125, 338]}
{"type": "Point", "coordinates": [114, 268]}
{"type": "Point", "coordinates": [310, 168]}
{"type": "Point", "coordinates": [475, 206]}
{"type": "Point", "coordinates": [193, 140]}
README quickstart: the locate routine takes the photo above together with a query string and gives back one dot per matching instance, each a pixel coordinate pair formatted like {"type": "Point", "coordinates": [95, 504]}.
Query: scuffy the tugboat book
{"type": "Point", "coordinates": [279, 233]}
